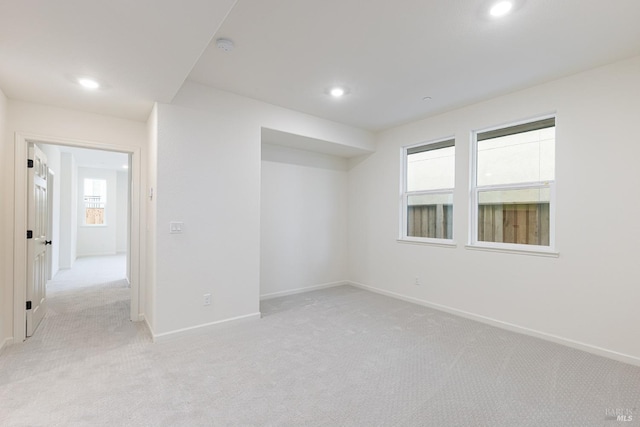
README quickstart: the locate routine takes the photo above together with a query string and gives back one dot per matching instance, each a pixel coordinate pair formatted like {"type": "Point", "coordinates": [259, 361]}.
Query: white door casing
{"type": "Point", "coordinates": [37, 226]}
{"type": "Point", "coordinates": [137, 246]}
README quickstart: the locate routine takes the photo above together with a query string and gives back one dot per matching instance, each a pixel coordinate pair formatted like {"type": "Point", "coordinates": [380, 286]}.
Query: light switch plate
{"type": "Point", "coordinates": [175, 227]}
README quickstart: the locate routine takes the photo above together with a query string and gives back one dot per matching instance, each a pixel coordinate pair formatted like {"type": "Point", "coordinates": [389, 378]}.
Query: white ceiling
{"type": "Point", "coordinates": [142, 50]}
{"type": "Point", "coordinates": [390, 54]}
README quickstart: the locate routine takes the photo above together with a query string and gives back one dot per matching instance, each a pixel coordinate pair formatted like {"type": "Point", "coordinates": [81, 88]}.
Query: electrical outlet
{"type": "Point", "coordinates": [207, 299]}
{"type": "Point", "coordinates": [417, 282]}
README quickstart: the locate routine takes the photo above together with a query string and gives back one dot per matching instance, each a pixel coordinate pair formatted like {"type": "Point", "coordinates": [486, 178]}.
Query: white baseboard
{"type": "Point", "coordinates": [599, 351]}
{"type": "Point", "coordinates": [5, 343]}
{"type": "Point", "coordinates": [146, 322]}
{"type": "Point", "coordinates": [185, 331]}
{"type": "Point", "coordinates": [303, 290]}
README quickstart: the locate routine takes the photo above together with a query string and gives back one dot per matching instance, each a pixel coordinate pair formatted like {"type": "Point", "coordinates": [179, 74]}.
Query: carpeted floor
{"type": "Point", "coordinates": [335, 357]}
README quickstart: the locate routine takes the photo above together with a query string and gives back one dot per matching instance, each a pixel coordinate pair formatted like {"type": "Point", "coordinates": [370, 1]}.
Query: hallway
{"type": "Point", "coordinates": [89, 302]}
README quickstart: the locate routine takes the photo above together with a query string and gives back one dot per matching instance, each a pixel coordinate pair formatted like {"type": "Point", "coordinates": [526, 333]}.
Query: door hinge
{"type": "Point", "coordinates": [28, 305]}
{"type": "Point", "coordinates": [29, 163]}
{"type": "Point", "coordinates": [29, 234]}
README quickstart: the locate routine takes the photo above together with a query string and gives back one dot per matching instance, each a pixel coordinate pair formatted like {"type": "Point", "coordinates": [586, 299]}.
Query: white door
{"type": "Point", "coordinates": [37, 225]}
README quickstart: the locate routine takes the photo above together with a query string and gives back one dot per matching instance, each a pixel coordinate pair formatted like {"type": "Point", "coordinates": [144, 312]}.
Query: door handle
{"type": "Point", "coordinates": [47, 242]}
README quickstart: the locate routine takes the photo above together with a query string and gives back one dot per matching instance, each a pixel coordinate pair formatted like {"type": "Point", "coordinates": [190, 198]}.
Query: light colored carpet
{"type": "Point", "coordinates": [335, 357]}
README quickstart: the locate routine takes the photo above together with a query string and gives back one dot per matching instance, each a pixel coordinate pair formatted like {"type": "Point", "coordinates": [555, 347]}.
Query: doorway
{"type": "Point", "coordinates": [130, 244]}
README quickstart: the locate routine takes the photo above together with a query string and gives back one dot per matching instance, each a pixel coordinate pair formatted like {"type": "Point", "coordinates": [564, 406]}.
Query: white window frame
{"type": "Point", "coordinates": [474, 243]}
{"type": "Point", "coordinates": [404, 197]}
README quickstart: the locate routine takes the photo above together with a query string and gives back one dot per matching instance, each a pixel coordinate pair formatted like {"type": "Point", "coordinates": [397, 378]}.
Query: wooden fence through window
{"type": "Point", "coordinates": [434, 221]}
{"type": "Point", "coordinates": [520, 223]}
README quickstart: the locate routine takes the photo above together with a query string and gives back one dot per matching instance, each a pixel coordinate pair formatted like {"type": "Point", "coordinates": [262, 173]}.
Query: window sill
{"type": "Point", "coordinates": [550, 253]}
{"type": "Point", "coordinates": [439, 242]}
{"type": "Point", "coordinates": [94, 225]}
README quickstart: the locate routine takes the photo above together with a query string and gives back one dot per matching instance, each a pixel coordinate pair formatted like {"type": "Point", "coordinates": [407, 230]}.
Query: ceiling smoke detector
{"type": "Point", "coordinates": [224, 44]}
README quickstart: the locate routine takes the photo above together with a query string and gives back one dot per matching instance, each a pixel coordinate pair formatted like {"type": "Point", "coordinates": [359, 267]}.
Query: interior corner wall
{"type": "Point", "coordinates": [208, 178]}
{"type": "Point", "coordinates": [150, 231]}
{"type": "Point", "coordinates": [68, 212]}
{"type": "Point", "coordinates": [6, 235]}
{"type": "Point", "coordinates": [303, 220]}
{"type": "Point", "coordinates": [75, 219]}
{"type": "Point", "coordinates": [122, 212]}
{"type": "Point", "coordinates": [589, 295]}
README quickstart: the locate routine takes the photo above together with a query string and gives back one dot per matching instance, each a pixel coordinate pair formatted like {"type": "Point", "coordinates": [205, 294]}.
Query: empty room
{"type": "Point", "coordinates": [333, 213]}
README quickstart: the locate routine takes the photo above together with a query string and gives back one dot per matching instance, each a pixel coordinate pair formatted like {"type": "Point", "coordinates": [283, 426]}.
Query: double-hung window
{"type": "Point", "coordinates": [513, 187]}
{"type": "Point", "coordinates": [428, 180]}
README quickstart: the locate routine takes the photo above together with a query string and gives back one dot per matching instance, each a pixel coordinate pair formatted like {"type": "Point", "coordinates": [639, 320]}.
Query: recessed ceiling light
{"type": "Point", "coordinates": [88, 83]}
{"type": "Point", "coordinates": [337, 92]}
{"type": "Point", "coordinates": [125, 166]}
{"type": "Point", "coordinates": [501, 8]}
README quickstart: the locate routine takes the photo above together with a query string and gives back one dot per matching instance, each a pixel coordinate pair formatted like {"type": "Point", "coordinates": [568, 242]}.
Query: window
{"type": "Point", "coordinates": [95, 198]}
{"type": "Point", "coordinates": [513, 189]}
{"type": "Point", "coordinates": [427, 193]}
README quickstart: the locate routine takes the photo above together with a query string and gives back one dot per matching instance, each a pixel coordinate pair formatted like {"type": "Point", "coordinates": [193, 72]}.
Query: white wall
{"type": "Point", "coordinates": [149, 197]}
{"type": "Point", "coordinates": [208, 177]}
{"type": "Point", "coordinates": [6, 235]}
{"type": "Point", "coordinates": [59, 123]}
{"type": "Point", "coordinates": [588, 295]}
{"type": "Point", "coordinates": [53, 158]}
{"type": "Point", "coordinates": [303, 220]}
{"type": "Point", "coordinates": [68, 212]}
{"type": "Point", "coordinates": [122, 212]}
{"type": "Point", "coordinates": [96, 240]}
